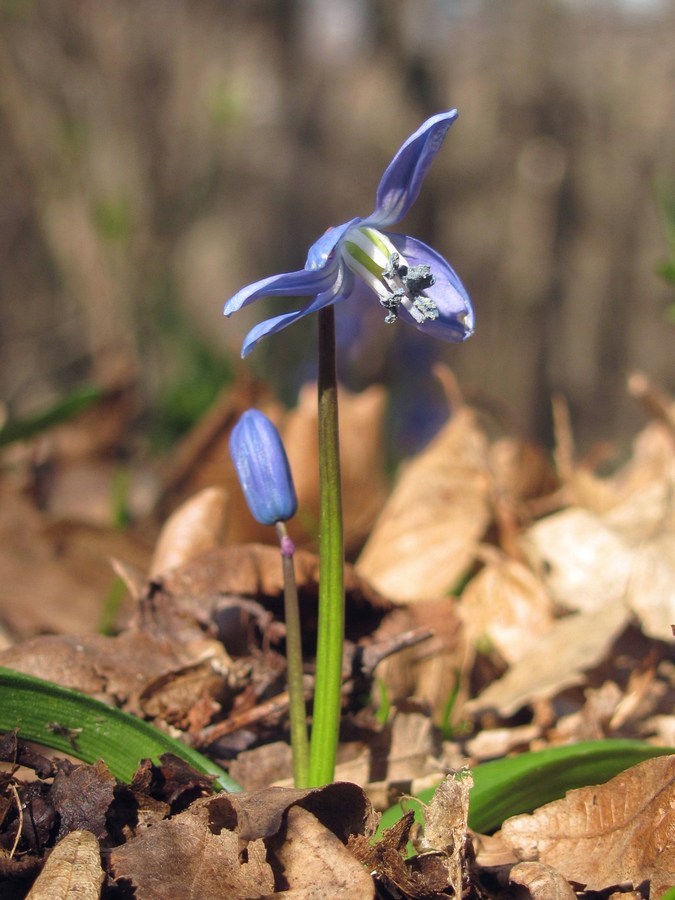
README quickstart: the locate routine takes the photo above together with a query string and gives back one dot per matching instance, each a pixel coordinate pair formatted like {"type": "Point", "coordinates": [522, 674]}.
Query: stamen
{"type": "Point", "coordinates": [372, 256]}
{"type": "Point", "coordinates": [419, 278]}
{"type": "Point", "coordinates": [426, 307]}
{"type": "Point", "coordinates": [408, 283]}
{"type": "Point", "coordinates": [391, 303]}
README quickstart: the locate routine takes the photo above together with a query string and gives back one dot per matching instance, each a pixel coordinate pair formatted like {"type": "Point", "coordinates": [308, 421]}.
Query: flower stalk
{"type": "Point", "coordinates": [296, 691]}
{"type": "Point", "coordinates": [330, 640]}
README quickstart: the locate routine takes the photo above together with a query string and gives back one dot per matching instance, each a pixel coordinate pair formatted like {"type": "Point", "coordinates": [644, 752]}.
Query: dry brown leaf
{"type": "Point", "coordinates": [254, 570]}
{"type": "Point", "coordinates": [341, 806]}
{"type": "Point", "coordinates": [182, 857]}
{"type": "Point", "coordinates": [427, 535]}
{"type": "Point", "coordinates": [446, 824]}
{"type": "Point", "coordinates": [571, 647]}
{"type": "Point", "coordinates": [132, 669]}
{"type": "Point", "coordinates": [195, 527]}
{"type": "Point", "coordinates": [54, 576]}
{"type": "Point", "coordinates": [542, 881]}
{"type": "Point", "coordinates": [82, 798]}
{"type": "Point", "coordinates": [506, 603]}
{"type": "Point", "coordinates": [262, 766]}
{"type": "Point", "coordinates": [72, 871]}
{"type": "Point", "coordinates": [622, 831]}
{"type": "Point", "coordinates": [429, 671]}
{"type": "Point", "coordinates": [316, 864]}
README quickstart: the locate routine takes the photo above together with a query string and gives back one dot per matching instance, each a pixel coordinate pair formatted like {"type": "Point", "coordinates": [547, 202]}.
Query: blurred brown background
{"type": "Point", "coordinates": [155, 156]}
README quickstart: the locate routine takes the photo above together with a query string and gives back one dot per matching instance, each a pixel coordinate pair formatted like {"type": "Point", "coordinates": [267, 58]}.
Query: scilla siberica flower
{"type": "Point", "coordinates": [352, 260]}
{"type": "Point", "coordinates": [262, 467]}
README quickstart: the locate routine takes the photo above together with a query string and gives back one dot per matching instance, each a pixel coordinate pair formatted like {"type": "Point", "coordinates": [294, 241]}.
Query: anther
{"type": "Point", "coordinates": [418, 279]}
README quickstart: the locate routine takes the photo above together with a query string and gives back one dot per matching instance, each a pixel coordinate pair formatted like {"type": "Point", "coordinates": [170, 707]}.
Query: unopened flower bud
{"type": "Point", "coordinates": [262, 466]}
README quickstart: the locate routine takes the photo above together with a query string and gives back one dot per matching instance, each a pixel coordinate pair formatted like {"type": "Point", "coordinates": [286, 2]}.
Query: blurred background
{"type": "Point", "coordinates": [155, 157]}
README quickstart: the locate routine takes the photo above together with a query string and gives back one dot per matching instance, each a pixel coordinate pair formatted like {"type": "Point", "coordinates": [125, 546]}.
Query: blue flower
{"type": "Point", "coordinates": [262, 467]}
{"type": "Point", "coordinates": [357, 259]}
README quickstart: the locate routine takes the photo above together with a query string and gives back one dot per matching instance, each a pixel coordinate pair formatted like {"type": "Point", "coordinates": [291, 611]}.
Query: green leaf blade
{"type": "Point", "coordinates": [82, 726]}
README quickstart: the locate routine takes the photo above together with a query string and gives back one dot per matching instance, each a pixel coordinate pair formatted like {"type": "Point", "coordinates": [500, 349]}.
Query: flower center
{"type": "Point", "coordinates": [371, 255]}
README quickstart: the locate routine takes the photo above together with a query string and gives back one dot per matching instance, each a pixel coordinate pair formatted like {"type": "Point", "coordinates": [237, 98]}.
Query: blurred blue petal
{"type": "Point", "coordinates": [262, 467]}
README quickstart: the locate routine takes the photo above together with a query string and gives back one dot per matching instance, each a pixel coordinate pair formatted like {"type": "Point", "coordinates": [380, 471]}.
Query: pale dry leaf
{"type": "Point", "coordinates": [412, 746]}
{"type": "Point", "coordinates": [182, 857]}
{"type": "Point", "coordinates": [652, 462]}
{"type": "Point", "coordinates": [491, 743]}
{"type": "Point", "coordinates": [559, 659]}
{"type": "Point", "coordinates": [507, 604]}
{"type": "Point", "coordinates": [621, 831]}
{"type": "Point", "coordinates": [196, 526]}
{"type": "Point", "coordinates": [446, 825]}
{"type": "Point", "coordinates": [492, 851]}
{"type": "Point", "coordinates": [426, 537]}
{"type": "Point", "coordinates": [655, 399]}
{"type": "Point", "coordinates": [651, 592]}
{"type": "Point", "coordinates": [520, 470]}
{"type": "Point", "coordinates": [316, 864]}
{"type": "Point", "coordinates": [543, 882]}
{"type": "Point", "coordinates": [72, 871]}
{"type": "Point", "coordinates": [355, 763]}
{"type": "Point", "coordinates": [362, 456]}
{"type": "Point", "coordinates": [595, 719]}
{"type": "Point", "coordinates": [647, 514]}
{"type": "Point", "coordinates": [585, 564]}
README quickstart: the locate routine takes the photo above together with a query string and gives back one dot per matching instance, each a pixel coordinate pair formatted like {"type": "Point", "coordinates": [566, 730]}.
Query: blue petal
{"type": "Point", "coordinates": [341, 290]}
{"type": "Point", "coordinates": [456, 320]}
{"type": "Point", "coordinates": [262, 467]}
{"type": "Point", "coordinates": [302, 283]}
{"type": "Point", "coordinates": [321, 250]}
{"type": "Point", "coordinates": [402, 180]}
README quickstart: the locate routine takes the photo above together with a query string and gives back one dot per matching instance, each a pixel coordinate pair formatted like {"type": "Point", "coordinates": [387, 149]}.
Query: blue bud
{"type": "Point", "coordinates": [262, 466]}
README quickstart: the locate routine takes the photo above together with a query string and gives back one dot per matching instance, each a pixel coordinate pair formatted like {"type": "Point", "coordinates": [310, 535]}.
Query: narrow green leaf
{"type": "Point", "coordinates": [22, 429]}
{"type": "Point", "coordinates": [521, 784]}
{"type": "Point", "coordinates": [83, 727]}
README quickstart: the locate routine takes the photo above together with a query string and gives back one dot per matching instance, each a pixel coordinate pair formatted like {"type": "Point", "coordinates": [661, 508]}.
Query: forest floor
{"type": "Point", "coordinates": [499, 599]}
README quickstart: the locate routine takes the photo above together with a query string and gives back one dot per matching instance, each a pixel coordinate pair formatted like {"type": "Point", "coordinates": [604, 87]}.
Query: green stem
{"type": "Point", "coordinates": [296, 692]}
{"type": "Point", "coordinates": [327, 696]}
